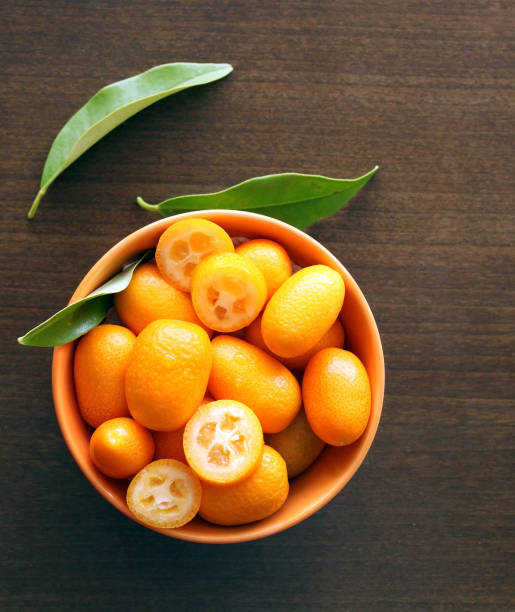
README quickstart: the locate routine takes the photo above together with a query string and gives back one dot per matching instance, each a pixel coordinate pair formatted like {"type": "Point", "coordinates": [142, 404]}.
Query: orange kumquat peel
{"type": "Point", "coordinates": [101, 359]}
{"type": "Point", "coordinates": [167, 374]}
{"type": "Point", "coordinates": [121, 447]}
{"type": "Point", "coordinates": [302, 310]}
{"type": "Point", "coordinates": [247, 374]}
{"type": "Point", "coordinates": [271, 258]}
{"type": "Point", "coordinates": [252, 499]}
{"type": "Point", "coordinates": [149, 297]}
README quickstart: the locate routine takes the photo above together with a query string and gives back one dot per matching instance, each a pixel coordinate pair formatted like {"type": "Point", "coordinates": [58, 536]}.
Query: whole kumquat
{"type": "Point", "coordinates": [302, 310]}
{"type": "Point", "coordinates": [247, 374]}
{"type": "Point", "coordinates": [121, 447]}
{"type": "Point", "coordinates": [149, 297]}
{"type": "Point", "coordinates": [336, 393]}
{"type": "Point", "coordinates": [252, 499]}
{"type": "Point", "coordinates": [167, 373]}
{"type": "Point", "coordinates": [271, 258]}
{"type": "Point", "coordinates": [297, 445]}
{"type": "Point", "coordinates": [334, 337]}
{"type": "Point", "coordinates": [101, 359]}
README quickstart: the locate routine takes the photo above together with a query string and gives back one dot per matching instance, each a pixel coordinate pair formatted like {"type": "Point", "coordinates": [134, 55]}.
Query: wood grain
{"type": "Point", "coordinates": [424, 89]}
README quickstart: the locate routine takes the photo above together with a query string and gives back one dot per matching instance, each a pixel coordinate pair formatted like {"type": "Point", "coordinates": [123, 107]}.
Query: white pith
{"type": "Point", "coordinates": [164, 504]}
{"type": "Point", "coordinates": [222, 438]}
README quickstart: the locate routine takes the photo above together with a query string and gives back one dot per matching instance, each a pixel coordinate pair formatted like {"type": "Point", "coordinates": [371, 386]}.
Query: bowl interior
{"type": "Point", "coordinates": [335, 466]}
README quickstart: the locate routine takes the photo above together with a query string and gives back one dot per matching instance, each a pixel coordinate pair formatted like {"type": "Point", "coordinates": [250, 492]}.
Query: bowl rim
{"type": "Point", "coordinates": [62, 356]}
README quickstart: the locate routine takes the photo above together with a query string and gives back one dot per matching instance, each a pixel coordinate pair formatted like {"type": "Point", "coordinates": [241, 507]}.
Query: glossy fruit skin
{"type": "Point", "coordinates": [232, 425]}
{"type": "Point", "coordinates": [334, 337]}
{"type": "Point", "coordinates": [100, 362]}
{"type": "Point", "coordinates": [252, 499]}
{"type": "Point", "coordinates": [231, 282]}
{"type": "Point", "coordinates": [121, 447]}
{"type": "Point", "coordinates": [189, 234]}
{"type": "Point", "coordinates": [150, 297]}
{"type": "Point", "coordinates": [248, 374]}
{"type": "Point", "coordinates": [172, 483]}
{"type": "Point", "coordinates": [337, 398]}
{"type": "Point", "coordinates": [167, 374]}
{"type": "Point", "coordinates": [271, 258]}
{"type": "Point", "coordinates": [297, 444]}
{"type": "Point", "coordinates": [169, 444]}
{"type": "Point", "coordinates": [302, 310]}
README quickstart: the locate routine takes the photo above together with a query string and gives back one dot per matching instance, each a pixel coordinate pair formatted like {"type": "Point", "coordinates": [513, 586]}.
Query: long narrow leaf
{"type": "Point", "coordinates": [80, 317]}
{"type": "Point", "coordinates": [298, 199]}
{"type": "Point", "coordinates": [113, 105]}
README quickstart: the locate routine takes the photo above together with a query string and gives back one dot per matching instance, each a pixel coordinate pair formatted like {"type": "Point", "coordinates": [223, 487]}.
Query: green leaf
{"type": "Point", "coordinates": [78, 318]}
{"type": "Point", "coordinates": [113, 105]}
{"type": "Point", "coordinates": [298, 199]}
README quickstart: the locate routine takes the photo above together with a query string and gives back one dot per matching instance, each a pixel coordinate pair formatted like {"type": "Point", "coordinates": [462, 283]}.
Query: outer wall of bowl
{"type": "Point", "coordinates": [333, 469]}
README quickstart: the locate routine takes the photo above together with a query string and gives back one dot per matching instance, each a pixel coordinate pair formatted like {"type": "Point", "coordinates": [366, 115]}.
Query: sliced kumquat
{"type": "Point", "coordinates": [184, 244]}
{"type": "Point", "coordinates": [223, 441]}
{"type": "Point", "coordinates": [228, 291]}
{"type": "Point", "coordinates": [166, 493]}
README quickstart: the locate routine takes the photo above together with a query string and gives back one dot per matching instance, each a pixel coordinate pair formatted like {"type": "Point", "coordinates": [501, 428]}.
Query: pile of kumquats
{"type": "Point", "coordinates": [196, 397]}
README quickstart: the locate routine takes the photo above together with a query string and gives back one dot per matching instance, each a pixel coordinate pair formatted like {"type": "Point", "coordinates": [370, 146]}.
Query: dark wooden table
{"type": "Point", "coordinates": [424, 89]}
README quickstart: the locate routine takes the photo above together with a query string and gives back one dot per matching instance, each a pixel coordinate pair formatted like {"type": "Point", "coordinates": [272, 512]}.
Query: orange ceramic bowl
{"type": "Point", "coordinates": [335, 466]}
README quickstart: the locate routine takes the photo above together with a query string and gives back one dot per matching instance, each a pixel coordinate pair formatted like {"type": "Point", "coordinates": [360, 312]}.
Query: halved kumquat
{"type": "Point", "coordinates": [165, 493]}
{"type": "Point", "coordinates": [184, 244]}
{"type": "Point", "coordinates": [228, 291]}
{"type": "Point", "coordinates": [223, 441]}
